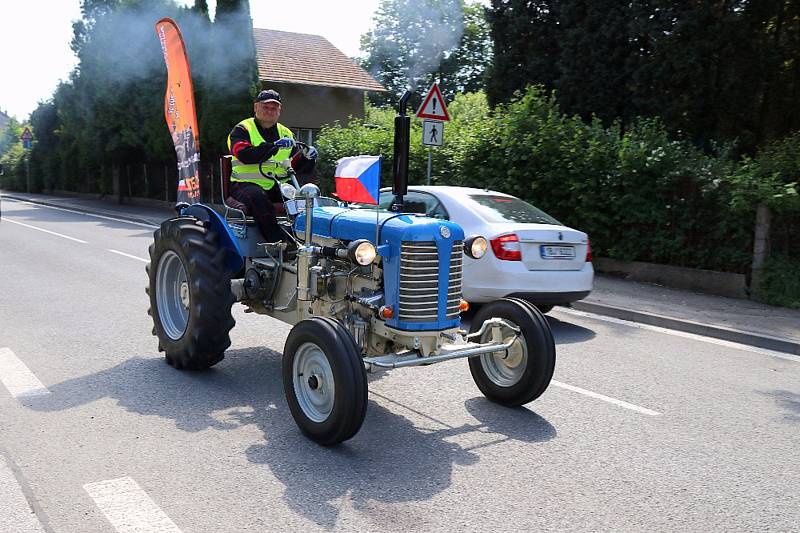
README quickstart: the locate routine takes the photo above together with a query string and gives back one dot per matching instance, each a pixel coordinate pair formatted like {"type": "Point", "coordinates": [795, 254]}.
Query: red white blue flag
{"type": "Point", "coordinates": [358, 179]}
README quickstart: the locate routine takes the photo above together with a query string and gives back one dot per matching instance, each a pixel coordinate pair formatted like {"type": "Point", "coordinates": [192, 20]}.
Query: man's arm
{"type": "Point", "coordinates": [244, 151]}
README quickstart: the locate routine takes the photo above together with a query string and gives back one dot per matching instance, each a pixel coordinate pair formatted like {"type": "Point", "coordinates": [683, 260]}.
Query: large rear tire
{"type": "Point", "coordinates": [190, 294]}
{"type": "Point", "coordinates": [324, 380]}
{"type": "Point", "coordinates": [522, 373]}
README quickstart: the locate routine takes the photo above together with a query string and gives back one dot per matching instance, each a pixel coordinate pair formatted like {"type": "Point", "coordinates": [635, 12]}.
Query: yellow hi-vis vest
{"type": "Point", "coordinates": [272, 166]}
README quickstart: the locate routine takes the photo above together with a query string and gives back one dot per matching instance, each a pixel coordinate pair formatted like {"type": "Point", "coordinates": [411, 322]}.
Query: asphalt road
{"type": "Point", "coordinates": [641, 429]}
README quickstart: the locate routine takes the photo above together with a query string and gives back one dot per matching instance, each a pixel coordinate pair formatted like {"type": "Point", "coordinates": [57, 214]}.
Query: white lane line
{"type": "Point", "coordinates": [129, 255]}
{"type": "Point", "coordinates": [128, 507]}
{"type": "Point", "coordinates": [608, 399]}
{"type": "Point", "coordinates": [6, 219]}
{"type": "Point", "coordinates": [17, 515]}
{"type": "Point", "coordinates": [17, 377]}
{"type": "Point", "coordinates": [93, 215]}
{"type": "Point", "coordinates": [684, 334]}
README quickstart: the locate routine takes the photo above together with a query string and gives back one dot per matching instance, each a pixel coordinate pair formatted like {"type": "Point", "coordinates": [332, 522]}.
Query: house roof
{"type": "Point", "coordinates": [305, 59]}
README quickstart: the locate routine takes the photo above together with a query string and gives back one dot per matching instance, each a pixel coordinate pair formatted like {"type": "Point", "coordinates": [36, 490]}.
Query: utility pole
{"type": "Point", "coordinates": [27, 143]}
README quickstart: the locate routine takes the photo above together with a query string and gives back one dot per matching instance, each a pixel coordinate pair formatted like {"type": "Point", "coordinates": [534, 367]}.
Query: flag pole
{"type": "Point", "coordinates": [378, 205]}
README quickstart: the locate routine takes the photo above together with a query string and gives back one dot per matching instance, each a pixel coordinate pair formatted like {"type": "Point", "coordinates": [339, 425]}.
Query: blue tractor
{"type": "Point", "coordinates": [364, 291]}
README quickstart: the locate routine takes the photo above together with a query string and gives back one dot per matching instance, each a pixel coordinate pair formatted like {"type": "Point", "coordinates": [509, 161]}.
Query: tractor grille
{"type": "Point", "coordinates": [419, 282]}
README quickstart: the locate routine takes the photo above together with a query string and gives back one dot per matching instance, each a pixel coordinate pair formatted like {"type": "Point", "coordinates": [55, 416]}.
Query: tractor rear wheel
{"type": "Point", "coordinates": [190, 294]}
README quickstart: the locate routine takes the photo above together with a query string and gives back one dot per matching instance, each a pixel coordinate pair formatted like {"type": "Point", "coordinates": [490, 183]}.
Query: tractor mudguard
{"type": "Point", "coordinates": [234, 260]}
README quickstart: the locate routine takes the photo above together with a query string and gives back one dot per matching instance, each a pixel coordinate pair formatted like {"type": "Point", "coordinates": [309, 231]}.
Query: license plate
{"type": "Point", "coordinates": [558, 252]}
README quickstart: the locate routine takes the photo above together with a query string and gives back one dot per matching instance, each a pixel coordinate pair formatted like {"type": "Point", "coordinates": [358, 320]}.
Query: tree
{"type": "Point", "coordinates": [229, 76]}
{"type": "Point", "coordinates": [725, 70]}
{"type": "Point", "coordinates": [525, 36]}
{"type": "Point", "coordinates": [414, 43]}
{"type": "Point", "coordinates": [596, 59]}
{"type": "Point", "coordinates": [201, 8]}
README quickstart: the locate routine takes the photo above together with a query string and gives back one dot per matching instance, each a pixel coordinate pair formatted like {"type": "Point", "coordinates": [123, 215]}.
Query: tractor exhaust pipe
{"type": "Point", "coordinates": [402, 129]}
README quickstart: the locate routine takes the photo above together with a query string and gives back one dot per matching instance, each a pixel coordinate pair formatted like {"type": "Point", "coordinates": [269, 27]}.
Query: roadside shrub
{"type": "Point", "coordinates": [771, 178]}
{"type": "Point", "coordinates": [780, 282]}
{"type": "Point", "coordinates": [640, 193]}
{"type": "Point", "coordinates": [13, 162]}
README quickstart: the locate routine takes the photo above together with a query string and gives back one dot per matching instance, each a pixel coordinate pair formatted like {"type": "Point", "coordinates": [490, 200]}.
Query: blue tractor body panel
{"type": "Point", "coordinates": [394, 230]}
{"type": "Point", "coordinates": [234, 261]}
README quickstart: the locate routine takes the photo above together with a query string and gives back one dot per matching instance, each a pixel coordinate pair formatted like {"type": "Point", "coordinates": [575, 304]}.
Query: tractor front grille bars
{"type": "Point", "coordinates": [419, 281]}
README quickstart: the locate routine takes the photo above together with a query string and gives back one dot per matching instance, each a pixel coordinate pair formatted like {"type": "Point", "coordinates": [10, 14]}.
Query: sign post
{"type": "Point", "coordinates": [433, 111]}
{"type": "Point", "coordinates": [27, 142]}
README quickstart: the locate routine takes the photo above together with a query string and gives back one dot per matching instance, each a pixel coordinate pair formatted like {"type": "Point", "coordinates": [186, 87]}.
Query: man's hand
{"type": "Point", "coordinates": [310, 153]}
{"type": "Point", "coordinates": [285, 142]}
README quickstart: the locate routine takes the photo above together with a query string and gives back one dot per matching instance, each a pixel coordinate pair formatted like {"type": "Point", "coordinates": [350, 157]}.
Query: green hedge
{"type": "Point", "coordinates": [638, 193]}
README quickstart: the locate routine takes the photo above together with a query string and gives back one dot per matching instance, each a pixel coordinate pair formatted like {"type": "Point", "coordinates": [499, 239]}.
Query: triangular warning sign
{"type": "Point", "coordinates": [433, 105]}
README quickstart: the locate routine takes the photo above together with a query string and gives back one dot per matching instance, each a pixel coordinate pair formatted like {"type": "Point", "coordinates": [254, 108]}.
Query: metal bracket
{"type": "Point", "coordinates": [492, 322]}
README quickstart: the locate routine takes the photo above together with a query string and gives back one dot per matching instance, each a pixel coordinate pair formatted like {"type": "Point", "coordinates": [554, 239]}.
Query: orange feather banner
{"type": "Point", "coordinates": [179, 110]}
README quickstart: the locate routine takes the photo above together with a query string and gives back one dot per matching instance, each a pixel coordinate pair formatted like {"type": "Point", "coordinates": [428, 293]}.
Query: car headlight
{"type": "Point", "coordinates": [475, 247]}
{"type": "Point", "coordinates": [362, 252]}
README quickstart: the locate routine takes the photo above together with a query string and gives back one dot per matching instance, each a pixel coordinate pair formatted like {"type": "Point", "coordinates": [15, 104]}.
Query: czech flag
{"type": "Point", "coordinates": [358, 179]}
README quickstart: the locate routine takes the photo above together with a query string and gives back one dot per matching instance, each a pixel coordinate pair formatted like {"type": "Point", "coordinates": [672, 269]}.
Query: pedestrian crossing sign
{"type": "Point", "coordinates": [432, 133]}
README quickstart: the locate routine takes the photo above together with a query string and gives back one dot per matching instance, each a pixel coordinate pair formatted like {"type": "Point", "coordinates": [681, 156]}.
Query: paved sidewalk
{"type": "Point", "coordinates": [143, 211]}
{"type": "Point", "coordinates": [731, 319]}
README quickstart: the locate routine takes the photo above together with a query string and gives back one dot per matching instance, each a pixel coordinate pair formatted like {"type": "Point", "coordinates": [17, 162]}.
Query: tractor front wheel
{"type": "Point", "coordinates": [324, 380]}
{"type": "Point", "coordinates": [521, 373]}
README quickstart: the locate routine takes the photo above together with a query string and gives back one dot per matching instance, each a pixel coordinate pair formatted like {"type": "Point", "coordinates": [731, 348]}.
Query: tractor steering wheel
{"type": "Point", "coordinates": [287, 163]}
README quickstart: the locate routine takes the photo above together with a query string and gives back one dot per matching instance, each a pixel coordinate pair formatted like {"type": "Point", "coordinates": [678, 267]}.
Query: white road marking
{"type": "Point", "coordinates": [684, 334]}
{"type": "Point", "coordinates": [129, 255]}
{"type": "Point", "coordinates": [128, 507]}
{"type": "Point", "coordinates": [93, 215]}
{"type": "Point", "coordinates": [608, 399]}
{"type": "Point", "coordinates": [17, 515]}
{"type": "Point", "coordinates": [6, 219]}
{"type": "Point", "coordinates": [17, 378]}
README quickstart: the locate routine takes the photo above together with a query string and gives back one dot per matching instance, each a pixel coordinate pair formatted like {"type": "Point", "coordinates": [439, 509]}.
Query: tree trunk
{"type": "Point", "coordinates": [760, 247]}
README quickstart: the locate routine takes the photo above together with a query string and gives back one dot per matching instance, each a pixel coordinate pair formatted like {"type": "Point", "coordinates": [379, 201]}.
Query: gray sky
{"type": "Point", "coordinates": [35, 37]}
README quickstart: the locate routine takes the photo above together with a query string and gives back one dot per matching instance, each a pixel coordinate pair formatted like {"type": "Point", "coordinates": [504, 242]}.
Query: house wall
{"type": "Point", "coordinates": [311, 107]}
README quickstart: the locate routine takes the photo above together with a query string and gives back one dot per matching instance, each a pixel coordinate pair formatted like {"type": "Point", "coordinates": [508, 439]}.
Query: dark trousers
{"type": "Point", "coordinates": [258, 202]}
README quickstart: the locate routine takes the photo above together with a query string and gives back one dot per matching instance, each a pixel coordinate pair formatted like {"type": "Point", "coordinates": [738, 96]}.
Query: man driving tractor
{"type": "Point", "coordinates": [263, 138]}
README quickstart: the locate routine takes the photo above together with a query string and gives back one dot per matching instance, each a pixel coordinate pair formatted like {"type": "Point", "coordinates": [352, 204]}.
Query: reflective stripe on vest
{"type": "Point", "coordinates": [274, 166]}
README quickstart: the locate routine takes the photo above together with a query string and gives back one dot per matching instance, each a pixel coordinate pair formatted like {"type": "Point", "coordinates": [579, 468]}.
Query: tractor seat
{"type": "Point", "coordinates": [233, 203]}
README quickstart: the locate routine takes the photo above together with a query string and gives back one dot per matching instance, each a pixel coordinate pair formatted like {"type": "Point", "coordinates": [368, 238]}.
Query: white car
{"type": "Point", "coordinates": [531, 255]}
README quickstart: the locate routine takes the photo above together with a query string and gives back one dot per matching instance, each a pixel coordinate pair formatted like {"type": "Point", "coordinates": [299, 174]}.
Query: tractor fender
{"type": "Point", "coordinates": [234, 260]}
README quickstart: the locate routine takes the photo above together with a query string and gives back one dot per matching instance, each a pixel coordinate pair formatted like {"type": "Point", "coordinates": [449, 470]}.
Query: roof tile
{"type": "Point", "coordinates": [308, 60]}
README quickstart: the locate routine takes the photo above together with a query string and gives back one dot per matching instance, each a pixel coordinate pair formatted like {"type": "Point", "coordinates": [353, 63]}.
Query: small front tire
{"type": "Point", "coordinates": [522, 373]}
{"type": "Point", "coordinates": [324, 381]}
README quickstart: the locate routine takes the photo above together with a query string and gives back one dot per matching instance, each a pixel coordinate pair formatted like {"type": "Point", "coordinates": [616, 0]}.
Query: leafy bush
{"type": "Point", "coordinates": [640, 194]}
{"type": "Point", "coordinates": [771, 178]}
{"type": "Point", "coordinates": [780, 282]}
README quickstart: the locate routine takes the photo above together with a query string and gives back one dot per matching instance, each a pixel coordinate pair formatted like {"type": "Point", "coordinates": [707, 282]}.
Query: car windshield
{"type": "Point", "coordinates": [496, 208]}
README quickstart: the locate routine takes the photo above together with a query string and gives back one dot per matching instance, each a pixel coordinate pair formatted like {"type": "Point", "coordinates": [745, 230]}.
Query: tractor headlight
{"type": "Point", "coordinates": [362, 252]}
{"type": "Point", "coordinates": [475, 247]}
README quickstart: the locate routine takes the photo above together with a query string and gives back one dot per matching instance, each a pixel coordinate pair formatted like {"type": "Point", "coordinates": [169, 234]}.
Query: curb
{"type": "Point", "coordinates": [718, 332]}
{"type": "Point", "coordinates": [83, 209]}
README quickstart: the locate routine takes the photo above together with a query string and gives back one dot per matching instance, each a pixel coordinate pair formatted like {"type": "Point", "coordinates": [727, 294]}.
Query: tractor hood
{"type": "Point", "coordinates": [351, 224]}
{"type": "Point", "coordinates": [400, 239]}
